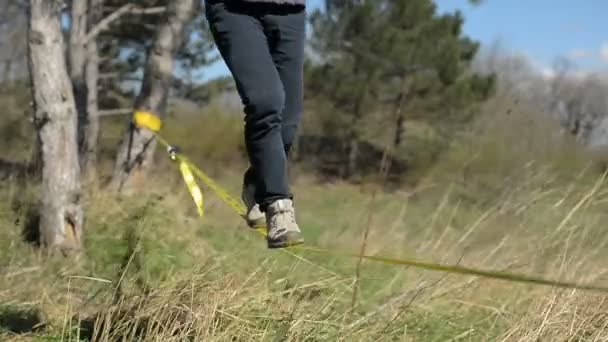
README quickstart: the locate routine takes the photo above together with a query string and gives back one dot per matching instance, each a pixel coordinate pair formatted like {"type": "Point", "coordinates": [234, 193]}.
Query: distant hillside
{"type": "Point", "coordinates": [575, 98]}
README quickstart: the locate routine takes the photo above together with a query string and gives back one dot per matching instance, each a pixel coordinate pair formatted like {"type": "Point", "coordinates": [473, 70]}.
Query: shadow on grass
{"type": "Point", "coordinates": [29, 218]}
{"type": "Point", "coordinates": [20, 320]}
{"type": "Point", "coordinates": [116, 325]}
{"type": "Point", "coordinates": [30, 230]}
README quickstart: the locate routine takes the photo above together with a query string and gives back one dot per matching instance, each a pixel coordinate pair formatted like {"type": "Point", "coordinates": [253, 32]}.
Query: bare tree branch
{"type": "Point", "coordinates": [107, 75]}
{"type": "Point", "coordinates": [142, 10]}
{"type": "Point", "coordinates": [105, 22]}
{"type": "Point", "coordinates": [117, 111]}
{"type": "Point", "coordinates": [113, 75]}
{"type": "Point", "coordinates": [126, 9]}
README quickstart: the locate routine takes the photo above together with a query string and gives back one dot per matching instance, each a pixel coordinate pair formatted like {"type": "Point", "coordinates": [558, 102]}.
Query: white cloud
{"type": "Point", "coordinates": [580, 53]}
{"type": "Point", "coordinates": [604, 52]}
{"type": "Point", "coordinates": [540, 67]}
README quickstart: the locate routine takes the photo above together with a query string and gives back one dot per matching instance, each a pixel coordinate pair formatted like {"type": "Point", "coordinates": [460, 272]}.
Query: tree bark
{"type": "Point", "coordinates": [61, 215]}
{"type": "Point", "coordinates": [6, 74]}
{"type": "Point", "coordinates": [398, 138]}
{"type": "Point", "coordinates": [137, 147]}
{"type": "Point", "coordinates": [34, 164]}
{"type": "Point", "coordinates": [399, 120]}
{"type": "Point", "coordinates": [353, 156]}
{"type": "Point", "coordinates": [353, 139]}
{"type": "Point", "coordinates": [88, 152]}
{"type": "Point", "coordinates": [77, 61]}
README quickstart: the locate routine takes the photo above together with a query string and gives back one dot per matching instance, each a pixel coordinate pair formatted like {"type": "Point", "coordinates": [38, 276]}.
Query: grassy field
{"type": "Point", "coordinates": [506, 196]}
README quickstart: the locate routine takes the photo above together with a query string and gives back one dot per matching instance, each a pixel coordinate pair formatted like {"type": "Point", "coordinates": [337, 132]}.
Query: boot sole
{"type": "Point", "coordinates": [255, 224]}
{"type": "Point", "coordinates": [288, 241]}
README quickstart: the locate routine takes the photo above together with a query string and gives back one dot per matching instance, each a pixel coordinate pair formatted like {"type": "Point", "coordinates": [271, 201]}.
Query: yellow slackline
{"type": "Point", "coordinates": [189, 170]}
{"type": "Point", "coordinates": [195, 191]}
{"type": "Point", "coordinates": [153, 123]}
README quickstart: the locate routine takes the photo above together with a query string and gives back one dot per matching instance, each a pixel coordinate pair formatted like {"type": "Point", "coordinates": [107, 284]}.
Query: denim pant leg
{"type": "Point", "coordinates": [286, 33]}
{"type": "Point", "coordinates": [241, 39]}
{"type": "Point", "coordinates": [286, 30]}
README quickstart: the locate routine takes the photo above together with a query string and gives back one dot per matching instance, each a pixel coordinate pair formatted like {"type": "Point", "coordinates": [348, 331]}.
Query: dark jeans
{"type": "Point", "coordinates": [263, 47]}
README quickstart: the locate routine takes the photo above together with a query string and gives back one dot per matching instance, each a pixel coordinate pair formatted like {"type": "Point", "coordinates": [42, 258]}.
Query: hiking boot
{"type": "Point", "coordinates": [255, 217]}
{"type": "Point", "coordinates": [283, 231]}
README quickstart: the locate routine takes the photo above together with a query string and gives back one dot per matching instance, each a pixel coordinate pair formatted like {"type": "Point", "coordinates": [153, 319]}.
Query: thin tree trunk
{"type": "Point", "coordinates": [400, 118]}
{"type": "Point", "coordinates": [386, 161]}
{"type": "Point", "coordinates": [137, 147]}
{"type": "Point", "coordinates": [353, 139]}
{"type": "Point", "coordinates": [61, 215]}
{"type": "Point", "coordinates": [88, 152]}
{"type": "Point", "coordinates": [398, 131]}
{"type": "Point", "coordinates": [353, 155]}
{"type": "Point", "coordinates": [6, 74]}
{"type": "Point", "coordinates": [77, 61]}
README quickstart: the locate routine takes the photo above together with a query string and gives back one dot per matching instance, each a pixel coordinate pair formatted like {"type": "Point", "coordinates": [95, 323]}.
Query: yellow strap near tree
{"type": "Point", "coordinates": [147, 120]}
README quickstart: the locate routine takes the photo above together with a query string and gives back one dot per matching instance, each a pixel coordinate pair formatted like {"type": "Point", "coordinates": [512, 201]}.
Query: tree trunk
{"type": "Point", "coordinates": [88, 151]}
{"type": "Point", "coordinates": [34, 164]}
{"type": "Point", "coordinates": [353, 155]}
{"type": "Point", "coordinates": [6, 74]}
{"type": "Point", "coordinates": [136, 149]}
{"type": "Point", "coordinates": [61, 215]}
{"type": "Point", "coordinates": [353, 138]}
{"type": "Point", "coordinates": [400, 118]}
{"type": "Point", "coordinates": [77, 61]}
{"type": "Point", "coordinates": [398, 131]}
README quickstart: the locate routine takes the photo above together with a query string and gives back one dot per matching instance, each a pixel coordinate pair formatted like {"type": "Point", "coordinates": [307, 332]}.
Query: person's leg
{"type": "Point", "coordinates": [253, 215]}
{"type": "Point", "coordinates": [243, 44]}
{"type": "Point", "coordinates": [286, 30]}
{"type": "Point", "coordinates": [284, 26]}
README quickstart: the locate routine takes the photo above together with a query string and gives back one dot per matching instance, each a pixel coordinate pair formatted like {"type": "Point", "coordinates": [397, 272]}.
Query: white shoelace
{"type": "Point", "coordinates": [278, 218]}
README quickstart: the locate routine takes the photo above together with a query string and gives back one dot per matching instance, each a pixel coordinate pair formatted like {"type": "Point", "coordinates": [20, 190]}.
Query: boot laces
{"type": "Point", "coordinates": [283, 219]}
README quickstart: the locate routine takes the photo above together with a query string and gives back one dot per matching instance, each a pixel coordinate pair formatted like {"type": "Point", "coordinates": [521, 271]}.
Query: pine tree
{"type": "Point", "coordinates": [348, 77]}
{"type": "Point", "coordinates": [392, 56]}
{"type": "Point", "coordinates": [427, 64]}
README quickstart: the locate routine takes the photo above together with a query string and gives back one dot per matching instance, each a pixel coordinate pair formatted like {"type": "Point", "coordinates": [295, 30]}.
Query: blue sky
{"type": "Point", "coordinates": [540, 29]}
